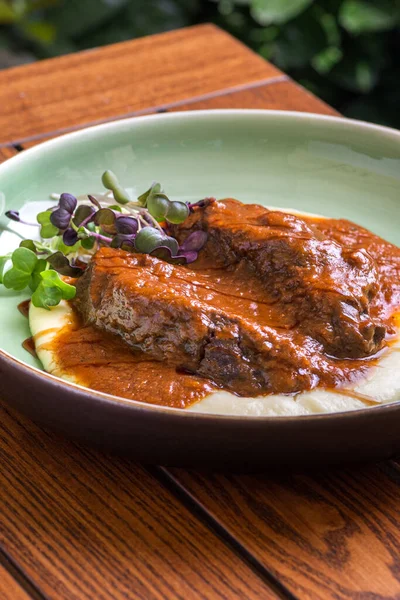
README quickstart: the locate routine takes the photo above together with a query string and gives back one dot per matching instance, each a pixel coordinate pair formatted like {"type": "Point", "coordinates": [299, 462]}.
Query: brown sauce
{"type": "Point", "coordinates": [101, 361]}
{"type": "Point", "coordinates": [29, 346]}
{"type": "Point", "coordinates": [23, 308]}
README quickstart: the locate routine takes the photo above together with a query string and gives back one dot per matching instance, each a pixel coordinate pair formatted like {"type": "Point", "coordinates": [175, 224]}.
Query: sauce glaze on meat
{"type": "Point", "coordinates": [276, 303]}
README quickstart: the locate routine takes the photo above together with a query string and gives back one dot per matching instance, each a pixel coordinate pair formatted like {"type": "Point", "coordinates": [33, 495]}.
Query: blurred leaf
{"type": "Point", "coordinates": [266, 34]}
{"type": "Point", "coordinates": [225, 7]}
{"type": "Point", "coordinates": [39, 31]}
{"type": "Point", "coordinates": [331, 27]}
{"type": "Point", "coordinates": [266, 12]}
{"type": "Point", "coordinates": [77, 17]}
{"type": "Point", "coordinates": [299, 41]}
{"type": "Point", "coordinates": [7, 13]}
{"type": "Point", "coordinates": [34, 5]}
{"type": "Point", "coordinates": [327, 59]}
{"type": "Point", "coordinates": [370, 109]}
{"type": "Point", "coordinates": [358, 16]}
{"type": "Point", "coordinates": [355, 74]}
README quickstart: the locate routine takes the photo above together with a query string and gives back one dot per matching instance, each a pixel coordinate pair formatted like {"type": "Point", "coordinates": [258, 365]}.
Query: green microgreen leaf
{"type": "Point", "coordinates": [148, 239]}
{"type": "Point", "coordinates": [35, 279]}
{"type": "Point", "coordinates": [88, 243]}
{"type": "Point", "coordinates": [47, 229]}
{"type": "Point", "coordinates": [82, 213]}
{"type": "Point", "coordinates": [104, 216]}
{"type": "Point", "coordinates": [17, 280]}
{"type": "Point", "coordinates": [51, 290]}
{"type": "Point", "coordinates": [18, 277]}
{"type": "Point", "coordinates": [155, 188]}
{"type": "Point", "coordinates": [177, 212]}
{"type": "Point", "coordinates": [110, 181]}
{"type": "Point", "coordinates": [158, 205]}
{"type": "Point", "coordinates": [46, 296]}
{"type": "Point", "coordinates": [43, 218]}
{"type": "Point", "coordinates": [30, 244]}
{"type": "Point", "coordinates": [59, 246]}
{"type": "Point", "coordinates": [50, 277]}
{"type": "Point", "coordinates": [24, 259]}
{"type": "Point", "coordinates": [3, 262]}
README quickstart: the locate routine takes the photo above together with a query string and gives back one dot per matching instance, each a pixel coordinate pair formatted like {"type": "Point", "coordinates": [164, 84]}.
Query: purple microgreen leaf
{"type": "Point", "coordinates": [60, 218]}
{"type": "Point", "coordinates": [61, 264]}
{"type": "Point", "coordinates": [194, 242]}
{"type": "Point", "coordinates": [164, 253]}
{"type": "Point", "coordinates": [121, 240]}
{"type": "Point", "coordinates": [94, 201]}
{"type": "Point", "coordinates": [83, 213]}
{"type": "Point", "coordinates": [68, 202]}
{"type": "Point", "coordinates": [13, 215]}
{"type": "Point", "coordinates": [70, 237]}
{"type": "Point", "coordinates": [201, 203]}
{"type": "Point", "coordinates": [190, 256]}
{"type": "Point", "coordinates": [126, 225]}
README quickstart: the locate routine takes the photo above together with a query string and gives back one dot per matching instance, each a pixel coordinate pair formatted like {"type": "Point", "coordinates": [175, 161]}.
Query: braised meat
{"type": "Point", "coordinates": [327, 287]}
{"type": "Point", "coordinates": [275, 303]}
{"type": "Point", "coordinates": [193, 321]}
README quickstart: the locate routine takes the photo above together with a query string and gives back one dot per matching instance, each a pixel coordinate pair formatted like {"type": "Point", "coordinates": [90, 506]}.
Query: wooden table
{"type": "Point", "coordinates": [76, 524]}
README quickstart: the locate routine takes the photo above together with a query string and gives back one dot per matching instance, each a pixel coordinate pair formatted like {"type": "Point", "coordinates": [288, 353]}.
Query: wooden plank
{"type": "Point", "coordinates": [7, 152]}
{"type": "Point", "coordinates": [275, 95]}
{"type": "Point", "coordinates": [79, 89]}
{"type": "Point", "coordinates": [82, 525]}
{"type": "Point", "coordinates": [10, 588]}
{"type": "Point", "coordinates": [279, 95]}
{"type": "Point", "coordinates": [331, 535]}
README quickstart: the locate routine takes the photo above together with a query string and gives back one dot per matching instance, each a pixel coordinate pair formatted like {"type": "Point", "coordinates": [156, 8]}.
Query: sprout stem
{"type": "Point", "coordinates": [101, 238]}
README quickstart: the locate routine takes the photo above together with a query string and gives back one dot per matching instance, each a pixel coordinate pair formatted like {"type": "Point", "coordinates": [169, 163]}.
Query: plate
{"type": "Point", "coordinates": [326, 165]}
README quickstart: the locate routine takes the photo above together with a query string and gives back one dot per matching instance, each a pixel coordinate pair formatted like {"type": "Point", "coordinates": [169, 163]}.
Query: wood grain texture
{"type": "Point", "coordinates": [274, 95]}
{"type": "Point", "coordinates": [332, 535]}
{"type": "Point", "coordinates": [10, 588]}
{"type": "Point", "coordinates": [279, 95]}
{"type": "Point", "coordinates": [79, 89]}
{"type": "Point", "coordinates": [7, 152]}
{"type": "Point", "coordinates": [83, 525]}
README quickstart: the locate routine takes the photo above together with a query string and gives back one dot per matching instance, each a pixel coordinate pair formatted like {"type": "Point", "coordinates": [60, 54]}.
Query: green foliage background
{"type": "Point", "coordinates": [346, 51]}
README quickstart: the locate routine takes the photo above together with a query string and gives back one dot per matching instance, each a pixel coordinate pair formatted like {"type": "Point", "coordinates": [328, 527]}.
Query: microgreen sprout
{"type": "Point", "coordinates": [73, 230]}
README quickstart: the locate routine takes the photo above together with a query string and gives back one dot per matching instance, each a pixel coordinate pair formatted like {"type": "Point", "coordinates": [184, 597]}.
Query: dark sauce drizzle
{"type": "Point", "coordinates": [29, 343]}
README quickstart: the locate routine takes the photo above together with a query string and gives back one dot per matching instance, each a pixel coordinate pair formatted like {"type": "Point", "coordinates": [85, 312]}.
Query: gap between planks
{"type": "Point", "coordinates": [200, 512]}
{"type": "Point", "coordinates": [28, 588]}
{"type": "Point", "coordinates": [159, 108]}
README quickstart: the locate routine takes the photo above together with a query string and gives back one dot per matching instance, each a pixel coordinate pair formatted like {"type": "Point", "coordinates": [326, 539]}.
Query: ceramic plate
{"type": "Point", "coordinates": [326, 165]}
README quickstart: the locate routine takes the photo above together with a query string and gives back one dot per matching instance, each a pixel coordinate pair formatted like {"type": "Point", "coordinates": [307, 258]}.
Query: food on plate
{"type": "Point", "coordinates": [216, 306]}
